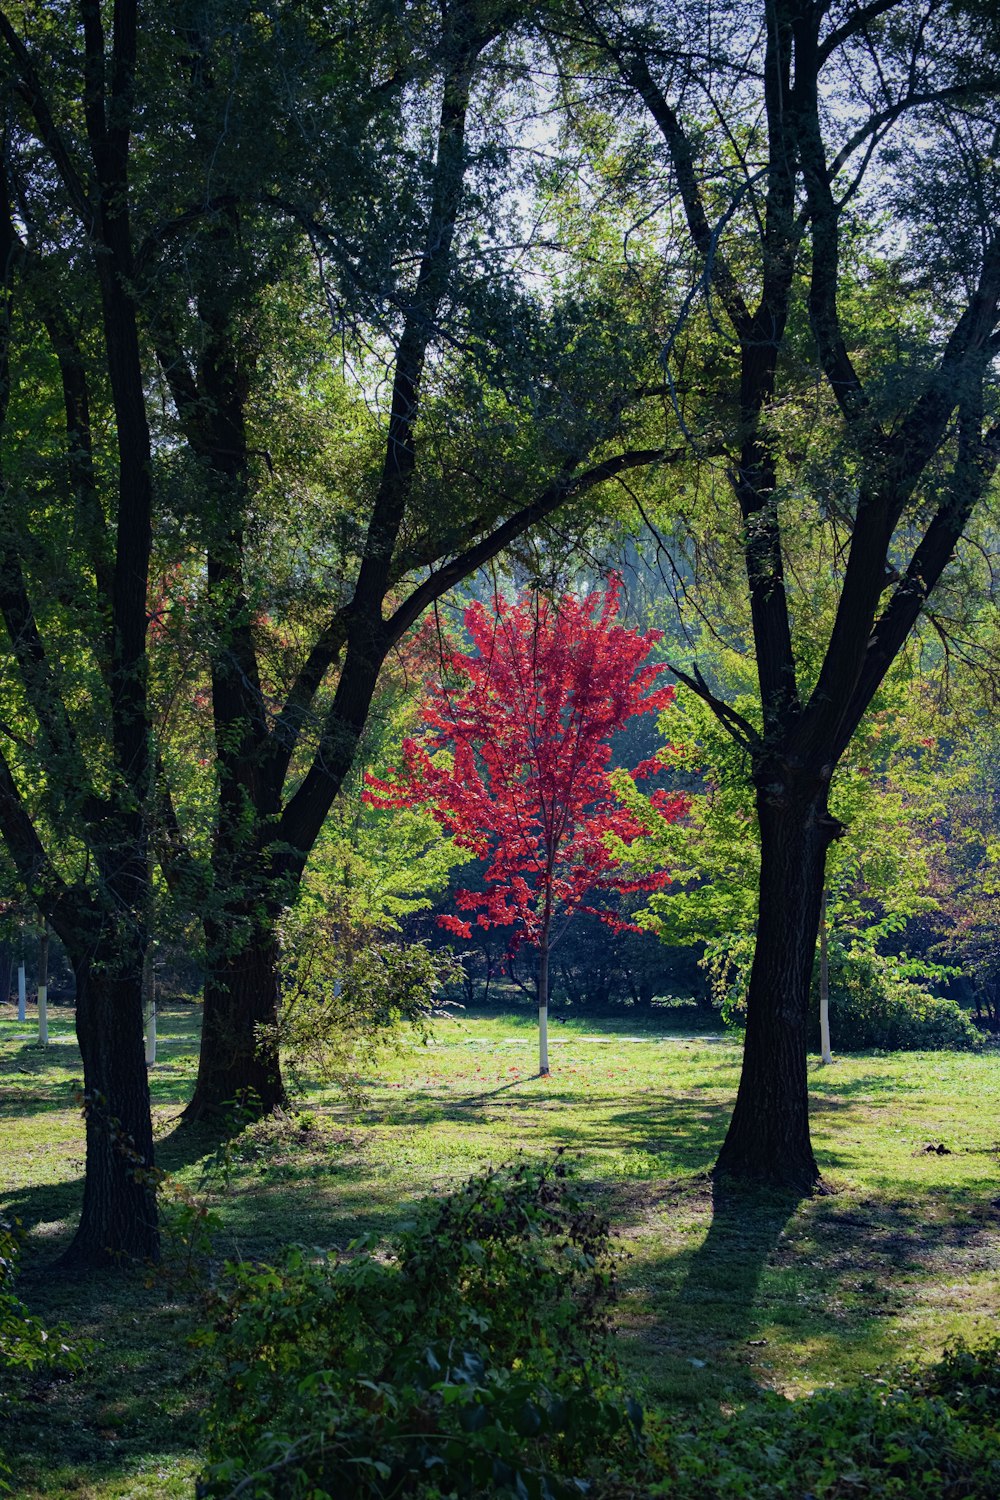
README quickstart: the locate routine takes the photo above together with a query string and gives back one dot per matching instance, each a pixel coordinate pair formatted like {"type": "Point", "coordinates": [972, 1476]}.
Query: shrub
{"type": "Point", "coordinates": [874, 1004]}
{"type": "Point", "coordinates": [26, 1345]}
{"type": "Point", "coordinates": [471, 1359]}
{"type": "Point", "coordinates": [348, 994]}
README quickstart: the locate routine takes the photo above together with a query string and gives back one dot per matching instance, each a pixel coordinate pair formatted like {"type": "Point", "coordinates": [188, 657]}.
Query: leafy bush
{"type": "Point", "coordinates": [932, 1432]}
{"type": "Point", "coordinates": [349, 993]}
{"type": "Point", "coordinates": [876, 1001]}
{"type": "Point", "coordinates": [472, 1359]}
{"type": "Point", "coordinates": [874, 1004]}
{"type": "Point", "coordinates": [968, 1380]}
{"type": "Point", "coordinates": [26, 1345]}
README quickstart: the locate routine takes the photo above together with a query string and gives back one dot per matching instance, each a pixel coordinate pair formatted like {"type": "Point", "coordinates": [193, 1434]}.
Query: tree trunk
{"type": "Point", "coordinates": [238, 1065]}
{"type": "Point", "coordinates": [118, 1220]}
{"type": "Point", "coordinates": [768, 1138]}
{"type": "Point", "coordinates": [543, 1010]}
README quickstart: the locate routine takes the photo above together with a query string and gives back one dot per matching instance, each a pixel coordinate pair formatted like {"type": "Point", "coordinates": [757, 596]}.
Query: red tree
{"type": "Point", "coordinates": [526, 784]}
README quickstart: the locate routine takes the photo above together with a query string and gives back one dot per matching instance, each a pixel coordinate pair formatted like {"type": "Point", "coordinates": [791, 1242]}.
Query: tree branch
{"type": "Point", "coordinates": [976, 463]}
{"type": "Point", "coordinates": [556, 494]}
{"type": "Point", "coordinates": [851, 27]}
{"type": "Point", "coordinates": [635, 71]}
{"type": "Point", "coordinates": [48, 133]}
{"type": "Point", "coordinates": [735, 725]}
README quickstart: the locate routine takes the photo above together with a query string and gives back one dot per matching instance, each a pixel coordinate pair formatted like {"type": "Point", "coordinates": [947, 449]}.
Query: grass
{"type": "Point", "coordinates": [723, 1293]}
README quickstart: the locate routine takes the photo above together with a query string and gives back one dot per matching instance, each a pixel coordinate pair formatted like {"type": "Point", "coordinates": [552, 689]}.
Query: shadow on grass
{"type": "Point", "coordinates": [133, 1409]}
{"type": "Point", "coordinates": [683, 1132]}
{"type": "Point", "coordinates": [724, 1273]}
{"type": "Point", "coordinates": [475, 1099]}
{"type": "Point", "coordinates": [693, 1316]}
{"type": "Point", "coordinates": [813, 1287]}
{"type": "Point", "coordinates": [823, 1086]}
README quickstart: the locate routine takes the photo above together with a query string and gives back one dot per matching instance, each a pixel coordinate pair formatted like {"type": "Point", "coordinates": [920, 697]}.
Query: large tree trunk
{"type": "Point", "coordinates": [239, 1065]}
{"type": "Point", "coordinates": [768, 1138]}
{"type": "Point", "coordinates": [118, 1221]}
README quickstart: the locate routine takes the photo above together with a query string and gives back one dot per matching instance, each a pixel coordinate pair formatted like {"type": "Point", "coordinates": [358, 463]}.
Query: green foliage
{"type": "Point", "coordinates": [930, 1432]}
{"type": "Point", "coordinates": [890, 793]}
{"type": "Point", "coordinates": [188, 1226]}
{"type": "Point", "coordinates": [968, 924]}
{"type": "Point", "coordinates": [471, 1359]}
{"type": "Point", "coordinates": [26, 1345]}
{"type": "Point", "coordinates": [348, 993]}
{"type": "Point", "coordinates": [874, 1004]}
{"type": "Point", "coordinates": [374, 866]}
{"type": "Point", "coordinates": [350, 985]}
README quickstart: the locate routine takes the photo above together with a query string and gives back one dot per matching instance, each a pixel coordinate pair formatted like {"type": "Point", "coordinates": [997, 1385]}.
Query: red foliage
{"type": "Point", "coordinates": [526, 783]}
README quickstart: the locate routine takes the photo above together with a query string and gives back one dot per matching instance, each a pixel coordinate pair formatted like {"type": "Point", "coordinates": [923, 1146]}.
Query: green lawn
{"type": "Point", "coordinates": [721, 1294]}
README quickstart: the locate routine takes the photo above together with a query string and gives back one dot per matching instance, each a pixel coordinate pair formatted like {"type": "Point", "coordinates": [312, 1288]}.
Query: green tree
{"type": "Point", "coordinates": [965, 930]}
{"type": "Point", "coordinates": [472, 409]}
{"type": "Point", "coordinates": [75, 783]}
{"type": "Point", "coordinates": [830, 348]}
{"type": "Point", "coordinates": [199, 203]}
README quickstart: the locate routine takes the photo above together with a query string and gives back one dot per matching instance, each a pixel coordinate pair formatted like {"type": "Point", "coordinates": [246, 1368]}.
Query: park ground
{"type": "Point", "coordinates": [720, 1296]}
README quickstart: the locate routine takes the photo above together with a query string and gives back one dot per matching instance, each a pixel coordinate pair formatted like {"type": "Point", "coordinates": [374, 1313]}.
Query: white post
{"type": "Point", "coordinates": [543, 1011]}
{"type": "Point", "coordinates": [43, 987]}
{"type": "Point", "coordinates": [22, 993]}
{"type": "Point", "coordinates": [151, 1036]}
{"type": "Point", "coordinates": [149, 987]}
{"type": "Point", "coordinates": [824, 987]}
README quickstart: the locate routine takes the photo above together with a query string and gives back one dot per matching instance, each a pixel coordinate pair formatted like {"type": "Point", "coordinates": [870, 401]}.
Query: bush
{"type": "Point", "coordinates": [932, 1432]}
{"type": "Point", "coordinates": [874, 1004]}
{"type": "Point", "coordinates": [26, 1345]}
{"type": "Point", "coordinates": [472, 1359]}
{"type": "Point", "coordinates": [349, 993]}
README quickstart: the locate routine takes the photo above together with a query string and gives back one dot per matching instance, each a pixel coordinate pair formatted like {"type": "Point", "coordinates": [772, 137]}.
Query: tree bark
{"type": "Point", "coordinates": [768, 1138]}
{"type": "Point", "coordinates": [118, 1220]}
{"type": "Point", "coordinates": [238, 1063]}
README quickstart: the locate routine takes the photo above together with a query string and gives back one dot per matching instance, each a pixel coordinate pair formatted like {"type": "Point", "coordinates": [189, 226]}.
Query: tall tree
{"type": "Point", "coordinates": [498, 408]}
{"type": "Point", "coordinates": [163, 182]}
{"type": "Point", "coordinates": [834, 168]}
{"type": "Point", "coordinates": [90, 786]}
{"type": "Point", "coordinates": [527, 726]}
